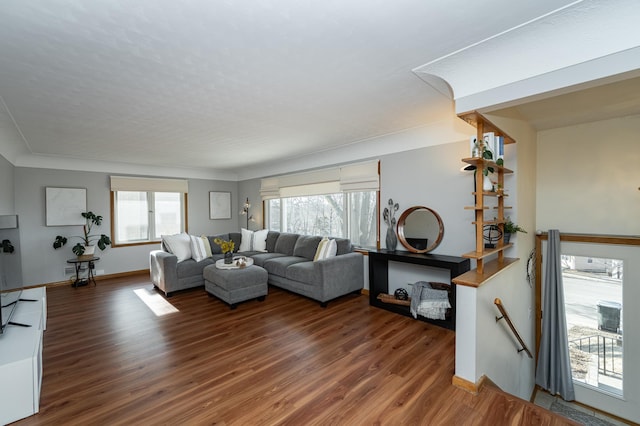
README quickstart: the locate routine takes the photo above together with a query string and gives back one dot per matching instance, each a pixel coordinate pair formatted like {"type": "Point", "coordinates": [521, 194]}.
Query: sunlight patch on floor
{"type": "Point", "coordinates": [158, 304]}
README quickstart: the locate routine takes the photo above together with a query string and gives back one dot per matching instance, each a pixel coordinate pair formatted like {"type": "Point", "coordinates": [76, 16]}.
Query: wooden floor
{"type": "Point", "coordinates": [108, 359]}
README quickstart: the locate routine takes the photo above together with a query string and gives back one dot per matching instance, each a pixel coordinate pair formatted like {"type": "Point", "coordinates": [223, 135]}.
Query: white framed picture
{"type": "Point", "coordinates": [219, 205]}
{"type": "Point", "coordinates": [64, 206]}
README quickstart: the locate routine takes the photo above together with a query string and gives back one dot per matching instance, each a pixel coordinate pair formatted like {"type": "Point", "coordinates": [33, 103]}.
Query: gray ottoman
{"type": "Point", "coordinates": [236, 285]}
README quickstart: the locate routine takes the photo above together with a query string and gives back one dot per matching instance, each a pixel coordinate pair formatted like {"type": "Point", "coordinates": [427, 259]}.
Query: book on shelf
{"type": "Point", "coordinates": [500, 147]}
{"type": "Point", "coordinates": [490, 144]}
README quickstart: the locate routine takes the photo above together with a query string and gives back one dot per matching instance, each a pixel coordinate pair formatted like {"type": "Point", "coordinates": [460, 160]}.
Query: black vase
{"type": "Point", "coordinates": [228, 257]}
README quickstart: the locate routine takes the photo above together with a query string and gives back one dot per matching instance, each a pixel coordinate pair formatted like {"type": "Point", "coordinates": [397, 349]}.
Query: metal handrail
{"type": "Point", "coordinates": [503, 311]}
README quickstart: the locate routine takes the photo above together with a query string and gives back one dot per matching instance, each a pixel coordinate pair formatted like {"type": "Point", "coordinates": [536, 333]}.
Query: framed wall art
{"type": "Point", "coordinates": [65, 205]}
{"type": "Point", "coordinates": [219, 205]}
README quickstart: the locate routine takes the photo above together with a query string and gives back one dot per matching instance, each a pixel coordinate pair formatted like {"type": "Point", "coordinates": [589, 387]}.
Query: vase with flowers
{"type": "Point", "coordinates": [227, 248]}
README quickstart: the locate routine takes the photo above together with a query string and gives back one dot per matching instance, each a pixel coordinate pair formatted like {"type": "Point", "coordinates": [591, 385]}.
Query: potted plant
{"type": "Point", "coordinates": [86, 246]}
{"type": "Point", "coordinates": [227, 248]}
{"type": "Point", "coordinates": [511, 228]}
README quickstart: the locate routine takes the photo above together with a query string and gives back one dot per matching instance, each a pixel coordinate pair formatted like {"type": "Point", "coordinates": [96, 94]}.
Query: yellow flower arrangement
{"type": "Point", "coordinates": [225, 246]}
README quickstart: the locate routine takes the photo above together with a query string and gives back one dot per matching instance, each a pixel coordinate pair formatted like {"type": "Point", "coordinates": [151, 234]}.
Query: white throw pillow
{"type": "Point", "coordinates": [253, 240]}
{"type": "Point", "coordinates": [260, 240]}
{"type": "Point", "coordinates": [332, 250]}
{"type": "Point", "coordinates": [246, 241]}
{"type": "Point", "coordinates": [326, 249]}
{"type": "Point", "coordinates": [321, 249]}
{"type": "Point", "coordinates": [198, 250]}
{"type": "Point", "coordinates": [178, 244]}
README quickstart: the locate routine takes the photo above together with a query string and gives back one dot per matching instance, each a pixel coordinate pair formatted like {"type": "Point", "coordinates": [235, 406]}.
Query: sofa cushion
{"type": "Point", "coordinates": [178, 244]}
{"type": "Point", "coordinates": [306, 246]}
{"type": "Point", "coordinates": [279, 265]}
{"type": "Point", "coordinates": [286, 242]}
{"type": "Point", "coordinates": [215, 249]}
{"type": "Point", "coordinates": [190, 267]}
{"type": "Point", "coordinates": [272, 237]}
{"type": "Point", "coordinates": [303, 272]}
{"type": "Point", "coordinates": [260, 258]}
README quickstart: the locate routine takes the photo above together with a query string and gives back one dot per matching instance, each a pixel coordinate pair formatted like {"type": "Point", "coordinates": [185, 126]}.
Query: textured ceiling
{"type": "Point", "coordinates": [227, 85]}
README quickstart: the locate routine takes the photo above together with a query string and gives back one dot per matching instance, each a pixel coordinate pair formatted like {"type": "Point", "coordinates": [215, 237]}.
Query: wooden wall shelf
{"type": "Point", "coordinates": [474, 279]}
{"type": "Point", "coordinates": [485, 270]}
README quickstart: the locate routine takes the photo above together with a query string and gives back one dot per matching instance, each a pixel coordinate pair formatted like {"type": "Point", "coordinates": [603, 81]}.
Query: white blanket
{"type": "Point", "coordinates": [427, 302]}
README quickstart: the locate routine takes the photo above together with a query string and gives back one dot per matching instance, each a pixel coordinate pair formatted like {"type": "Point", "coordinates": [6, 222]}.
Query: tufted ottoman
{"type": "Point", "coordinates": [236, 285]}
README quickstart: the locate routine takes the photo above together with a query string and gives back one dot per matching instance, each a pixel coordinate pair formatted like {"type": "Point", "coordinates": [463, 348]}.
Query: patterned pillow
{"type": "Point", "coordinates": [198, 251]}
{"type": "Point", "coordinates": [326, 249]}
{"type": "Point", "coordinates": [207, 245]}
{"type": "Point", "coordinates": [253, 240]}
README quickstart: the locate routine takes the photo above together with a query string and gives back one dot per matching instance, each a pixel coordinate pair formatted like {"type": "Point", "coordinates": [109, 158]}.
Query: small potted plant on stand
{"type": "Point", "coordinates": [86, 246]}
{"type": "Point", "coordinates": [511, 228]}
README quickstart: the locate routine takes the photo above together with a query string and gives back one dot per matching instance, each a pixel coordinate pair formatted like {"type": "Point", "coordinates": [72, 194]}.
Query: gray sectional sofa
{"type": "Point", "coordinates": [288, 260]}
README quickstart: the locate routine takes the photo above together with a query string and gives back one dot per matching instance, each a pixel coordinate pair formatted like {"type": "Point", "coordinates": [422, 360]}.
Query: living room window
{"type": "Point", "coordinates": [339, 202]}
{"type": "Point", "coordinates": [345, 215]}
{"type": "Point", "coordinates": [145, 209]}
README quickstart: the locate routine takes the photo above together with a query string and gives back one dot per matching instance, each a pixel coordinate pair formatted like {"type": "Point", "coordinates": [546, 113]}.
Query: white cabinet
{"type": "Point", "coordinates": [21, 358]}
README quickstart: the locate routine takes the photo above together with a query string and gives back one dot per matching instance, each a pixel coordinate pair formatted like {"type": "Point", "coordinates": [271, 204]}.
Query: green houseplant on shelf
{"type": "Point", "coordinates": [88, 240]}
{"type": "Point", "coordinates": [511, 228]}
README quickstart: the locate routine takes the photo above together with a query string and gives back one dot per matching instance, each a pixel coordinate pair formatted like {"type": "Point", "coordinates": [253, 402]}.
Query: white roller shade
{"type": "Point", "coordinates": [127, 183]}
{"type": "Point", "coordinates": [360, 177]}
{"type": "Point", "coordinates": [352, 177]}
{"type": "Point", "coordinates": [310, 189]}
{"type": "Point", "coordinates": [269, 188]}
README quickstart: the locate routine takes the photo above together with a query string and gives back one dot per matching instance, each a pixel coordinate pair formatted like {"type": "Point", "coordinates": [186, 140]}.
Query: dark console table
{"type": "Point", "coordinates": [379, 278]}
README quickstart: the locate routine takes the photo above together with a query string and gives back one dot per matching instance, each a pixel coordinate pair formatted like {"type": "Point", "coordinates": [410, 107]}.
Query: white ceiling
{"type": "Point", "coordinates": [230, 86]}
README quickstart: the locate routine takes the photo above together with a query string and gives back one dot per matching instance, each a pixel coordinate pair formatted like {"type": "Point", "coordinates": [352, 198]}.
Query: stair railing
{"type": "Point", "coordinates": [503, 311]}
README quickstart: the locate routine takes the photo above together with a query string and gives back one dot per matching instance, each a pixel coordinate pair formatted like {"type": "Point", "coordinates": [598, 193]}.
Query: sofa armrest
{"type": "Point", "coordinates": [163, 267]}
{"type": "Point", "coordinates": [340, 275]}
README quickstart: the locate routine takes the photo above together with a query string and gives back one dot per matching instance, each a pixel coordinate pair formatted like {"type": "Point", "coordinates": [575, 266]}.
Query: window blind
{"type": "Point", "coordinates": [128, 183]}
{"type": "Point", "coordinates": [348, 178]}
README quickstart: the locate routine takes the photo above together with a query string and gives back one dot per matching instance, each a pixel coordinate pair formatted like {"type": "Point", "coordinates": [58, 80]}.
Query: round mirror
{"type": "Point", "coordinates": [420, 229]}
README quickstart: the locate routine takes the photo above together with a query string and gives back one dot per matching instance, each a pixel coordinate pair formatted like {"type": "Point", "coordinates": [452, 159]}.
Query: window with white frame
{"type": "Point", "coordinates": [345, 215]}
{"type": "Point", "coordinates": [338, 202]}
{"type": "Point", "coordinates": [145, 209]}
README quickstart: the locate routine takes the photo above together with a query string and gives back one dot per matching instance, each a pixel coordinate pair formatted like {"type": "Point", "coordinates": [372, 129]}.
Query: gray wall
{"type": "Point", "coordinates": [6, 187]}
{"type": "Point", "coordinates": [46, 265]}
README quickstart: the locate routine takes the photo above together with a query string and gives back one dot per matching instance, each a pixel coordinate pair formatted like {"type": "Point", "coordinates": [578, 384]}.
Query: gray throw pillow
{"type": "Point", "coordinates": [285, 244]}
{"type": "Point", "coordinates": [306, 246]}
{"type": "Point", "coordinates": [272, 237]}
{"type": "Point", "coordinates": [344, 246]}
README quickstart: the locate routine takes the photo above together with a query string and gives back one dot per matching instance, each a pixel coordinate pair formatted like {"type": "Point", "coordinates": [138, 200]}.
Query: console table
{"type": "Point", "coordinates": [379, 278]}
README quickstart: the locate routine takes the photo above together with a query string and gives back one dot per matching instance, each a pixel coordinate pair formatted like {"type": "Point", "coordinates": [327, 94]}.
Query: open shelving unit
{"type": "Point", "coordinates": [489, 261]}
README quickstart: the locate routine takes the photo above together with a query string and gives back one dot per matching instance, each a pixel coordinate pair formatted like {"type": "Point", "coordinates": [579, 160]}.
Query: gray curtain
{"type": "Point", "coordinates": [554, 368]}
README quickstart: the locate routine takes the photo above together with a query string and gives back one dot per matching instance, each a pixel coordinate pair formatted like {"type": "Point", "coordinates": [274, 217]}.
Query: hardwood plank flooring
{"type": "Point", "coordinates": [108, 359]}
